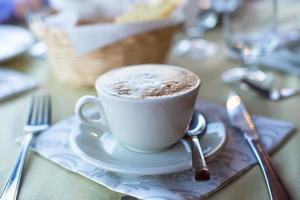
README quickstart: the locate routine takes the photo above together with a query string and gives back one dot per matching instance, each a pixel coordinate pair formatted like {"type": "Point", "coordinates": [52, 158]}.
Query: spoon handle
{"type": "Point", "coordinates": [289, 92]}
{"type": "Point", "coordinates": [201, 172]}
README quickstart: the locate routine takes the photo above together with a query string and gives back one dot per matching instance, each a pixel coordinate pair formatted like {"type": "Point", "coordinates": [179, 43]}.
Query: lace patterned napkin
{"type": "Point", "coordinates": [234, 159]}
{"type": "Point", "coordinates": [13, 82]}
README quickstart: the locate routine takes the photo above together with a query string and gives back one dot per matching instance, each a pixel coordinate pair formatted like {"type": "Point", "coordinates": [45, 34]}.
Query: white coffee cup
{"type": "Point", "coordinates": [143, 125]}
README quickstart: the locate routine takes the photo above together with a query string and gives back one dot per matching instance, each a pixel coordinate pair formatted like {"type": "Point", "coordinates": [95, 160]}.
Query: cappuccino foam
{"type": "Point", "coordinates": [147, 81]}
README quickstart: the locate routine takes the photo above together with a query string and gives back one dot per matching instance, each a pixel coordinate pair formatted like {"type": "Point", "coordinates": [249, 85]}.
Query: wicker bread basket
{"type": "Point", "coordinates": [82, 70]}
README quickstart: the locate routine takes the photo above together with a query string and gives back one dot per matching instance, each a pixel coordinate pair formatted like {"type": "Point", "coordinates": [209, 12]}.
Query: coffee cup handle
{"type": "Point", "coordinates": [79, 108]}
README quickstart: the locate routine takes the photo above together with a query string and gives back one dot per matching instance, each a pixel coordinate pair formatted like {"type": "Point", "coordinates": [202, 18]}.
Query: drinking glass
{"type": "Point", "coordinates": [193, 45]}
{"type": "Point", "coordinates": [39, 49]}
{"type": "Point", "coordinates": [250, 33]}
{"type": "Point", "coordinates": [223, 6]}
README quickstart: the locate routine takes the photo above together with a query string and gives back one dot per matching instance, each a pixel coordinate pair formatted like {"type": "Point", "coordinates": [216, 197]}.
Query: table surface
{"type": "Point", "coordinates": [45, 180]}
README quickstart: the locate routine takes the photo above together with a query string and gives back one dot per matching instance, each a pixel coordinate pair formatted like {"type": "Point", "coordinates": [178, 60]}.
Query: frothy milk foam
{"type": "Point", "coordinates": [147, 81]}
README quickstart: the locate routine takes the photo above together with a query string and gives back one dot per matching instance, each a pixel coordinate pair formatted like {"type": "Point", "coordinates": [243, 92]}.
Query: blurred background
{"type": "Point", "coordinates": [80, 40]}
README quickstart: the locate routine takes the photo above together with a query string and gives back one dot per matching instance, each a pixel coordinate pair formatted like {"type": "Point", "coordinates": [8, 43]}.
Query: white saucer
{"type": "Point", "coordinates": [102, 150]}
{"type": "Point", "coordinates": [14, 41]}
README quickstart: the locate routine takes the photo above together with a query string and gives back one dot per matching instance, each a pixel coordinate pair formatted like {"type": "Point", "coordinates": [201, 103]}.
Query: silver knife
{"type": "Point", "coordinates": [241, 119]}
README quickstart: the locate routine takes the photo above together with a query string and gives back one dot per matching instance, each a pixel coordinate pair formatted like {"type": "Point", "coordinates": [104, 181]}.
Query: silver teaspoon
{"type": "Point", "coordinates": [197, 127]}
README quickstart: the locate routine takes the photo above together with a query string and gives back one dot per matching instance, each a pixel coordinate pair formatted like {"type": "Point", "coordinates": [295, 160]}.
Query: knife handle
{"type": "Point", "coordinates": [201, 172]}
{"type": "Point", "coordinates": [275, 186]}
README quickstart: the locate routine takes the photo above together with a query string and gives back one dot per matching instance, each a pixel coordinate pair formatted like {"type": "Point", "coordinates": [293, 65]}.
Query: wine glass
{"type": "Point", "coordinates": [223, 6]}
{"type": "Point", "coordinates": [39, 49]}
{"type": "Point", "coordinates": [250, 33]}
{"type": "Point", "coordinates": [193, 45]}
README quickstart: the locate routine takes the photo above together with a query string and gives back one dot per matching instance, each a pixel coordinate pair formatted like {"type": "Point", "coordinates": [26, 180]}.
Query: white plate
{"type": "Point", "coordinates": [102, 150]}
{"type": "Point", "coordinates": [14, 41]}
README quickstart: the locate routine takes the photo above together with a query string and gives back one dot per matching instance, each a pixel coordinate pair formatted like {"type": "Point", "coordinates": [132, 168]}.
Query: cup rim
{"type": "Point", "coordinates": [151, 99]}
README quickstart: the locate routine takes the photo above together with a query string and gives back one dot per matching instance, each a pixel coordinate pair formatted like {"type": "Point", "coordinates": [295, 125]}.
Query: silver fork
{"type": "Point", "coordinates": [39, 119]}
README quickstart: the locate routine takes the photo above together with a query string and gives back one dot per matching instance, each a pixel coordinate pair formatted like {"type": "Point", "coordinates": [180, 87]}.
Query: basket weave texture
{"type": "Point", "coordinates": [83, 70]}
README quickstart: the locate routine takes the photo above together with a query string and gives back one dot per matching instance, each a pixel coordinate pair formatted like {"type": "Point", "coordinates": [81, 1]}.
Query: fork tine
{"type": "Point", "coordinates": [35, 113]}
{"type": "Point", "coordinates": [47, 110]}
{"type": "Point", "coordinates": [44, 108]}
{"type": "Point", "coordinates": [30, 114]}
{"type": "Point", "coordinates": [32, 119]}
{"type": "Point", "coordinates": [40, 108]}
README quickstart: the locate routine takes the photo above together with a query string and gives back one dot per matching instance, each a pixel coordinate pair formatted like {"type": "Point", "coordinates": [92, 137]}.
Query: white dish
{"type": "Point", "coordinates": [14, 41]}
{"type": "Point", "coordinates": [102, 150]}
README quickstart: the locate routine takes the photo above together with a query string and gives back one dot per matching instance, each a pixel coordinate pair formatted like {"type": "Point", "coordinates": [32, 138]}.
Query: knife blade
{"type": "Point", "coordinates": [239, 116]}
{"type": "Point", "coordinates": [241, 119]}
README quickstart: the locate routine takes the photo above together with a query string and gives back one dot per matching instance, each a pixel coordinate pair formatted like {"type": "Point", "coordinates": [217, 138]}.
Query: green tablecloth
{"type": "Point", "coordinates": [44, 180]}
